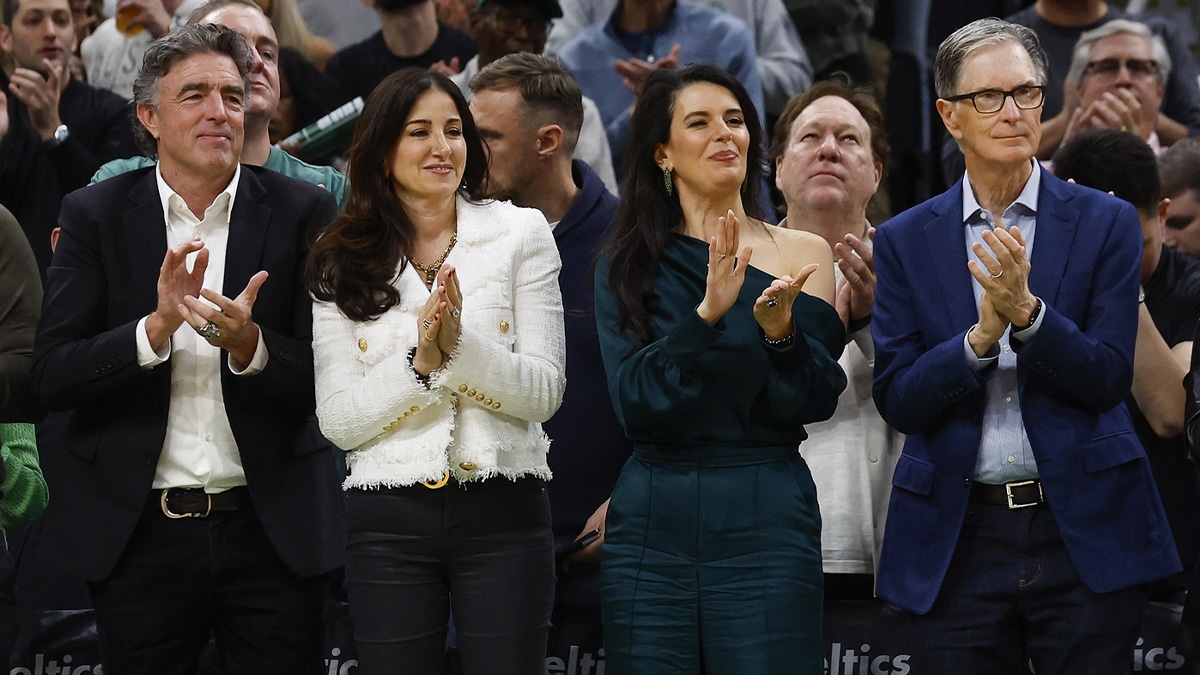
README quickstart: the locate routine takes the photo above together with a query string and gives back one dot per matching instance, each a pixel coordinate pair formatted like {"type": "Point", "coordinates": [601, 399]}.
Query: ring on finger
{"type": "Point", "coordinates": [209, 331]}
{"type": "Point", "coordinates": [999, 274]}
{"type": "Point", "coordinates": [721, 256]}
{"type": "Point", "coordinates": [772, 301]}
{"type": "Point", "coordinates": [455, 311]}
{"type": "Point", "coordinates": [426, 323]}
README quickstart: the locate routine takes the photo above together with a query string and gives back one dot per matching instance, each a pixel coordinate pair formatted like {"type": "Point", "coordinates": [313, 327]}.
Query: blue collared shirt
{"type": "Point", "coordinates": [1004, 451]}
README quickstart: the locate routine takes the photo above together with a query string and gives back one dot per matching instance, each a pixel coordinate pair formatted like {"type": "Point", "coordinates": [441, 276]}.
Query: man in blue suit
{"type": "Point", "coordinates": [1023, 519]}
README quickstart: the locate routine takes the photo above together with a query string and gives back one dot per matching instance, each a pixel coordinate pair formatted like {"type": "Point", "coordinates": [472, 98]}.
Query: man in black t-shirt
{"type": "Point", "coordinates": [411, 36]}
{"type": "Point", "coordinates": [1122, 164]}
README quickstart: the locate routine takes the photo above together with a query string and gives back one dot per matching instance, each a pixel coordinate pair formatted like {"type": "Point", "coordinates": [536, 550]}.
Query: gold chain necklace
{"type": "Point", "coordinates": [431, 271]}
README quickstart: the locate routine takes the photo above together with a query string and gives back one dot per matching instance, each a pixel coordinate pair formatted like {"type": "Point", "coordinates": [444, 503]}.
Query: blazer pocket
{"type": "Point", "coordinates": [494, 322]}
{"type": "Point", "coordinates": [914, 475]}
{"type": "Point", "coordinates": [1111, 450]}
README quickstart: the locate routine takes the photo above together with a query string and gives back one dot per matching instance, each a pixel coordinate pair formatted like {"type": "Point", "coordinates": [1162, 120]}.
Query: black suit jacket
{"type": "Point", "coordinates": [102, 281]}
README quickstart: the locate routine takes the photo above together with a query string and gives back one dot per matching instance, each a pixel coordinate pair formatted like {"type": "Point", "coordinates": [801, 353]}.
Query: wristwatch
{"type": "Point", "coordinates": [1033, 317]}
{"type": "Point", "coordinates": [61, 134]}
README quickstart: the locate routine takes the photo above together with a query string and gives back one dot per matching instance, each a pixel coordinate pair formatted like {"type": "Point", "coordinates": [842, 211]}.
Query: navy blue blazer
{"type": "Point", "coordinates": [1073, 376]}
{"type": "Point", "coordinates": [101, 282]}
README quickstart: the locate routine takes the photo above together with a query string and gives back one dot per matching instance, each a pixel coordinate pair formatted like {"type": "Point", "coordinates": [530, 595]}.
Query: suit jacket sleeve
{"type": "Point", "coordinates": [917, 379]}
{"type": "Point", "coordinates": [20, 306]}
{"type": "Point", "coordinates": [78, 356]}
{"type": "Point", "coordinates": [1088, 358]}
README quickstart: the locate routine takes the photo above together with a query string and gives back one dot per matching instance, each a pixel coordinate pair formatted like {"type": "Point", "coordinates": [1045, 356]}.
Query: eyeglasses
{"type": "Point", "coordinates": [990, 101]}
{"type": "Point", "coordinates": [1110, 68]}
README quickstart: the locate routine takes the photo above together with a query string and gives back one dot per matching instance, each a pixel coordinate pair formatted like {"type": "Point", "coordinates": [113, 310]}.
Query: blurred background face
{"type": "Point", "coordinates": [827, 162]}
{"type": "Point", "coordinates": [42, 30]}
{"type": "Point", "coordinates": [1123, 61]}
{"type": "Point", "coordinates": [256, 29]}
{"type": "Point", "coordinates": [500, 30]}
{"type": "Point", "coordinates": [1182, 231]}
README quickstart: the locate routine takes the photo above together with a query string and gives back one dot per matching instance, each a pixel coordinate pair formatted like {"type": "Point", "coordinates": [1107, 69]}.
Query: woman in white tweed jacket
{"type": "Point", "coordinates": [439, 348]}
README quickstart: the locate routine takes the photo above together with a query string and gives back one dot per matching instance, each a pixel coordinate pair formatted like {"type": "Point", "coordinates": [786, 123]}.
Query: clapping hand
{"type": "Point", "coordinates": [233, 319]}
{"type": "Point", "coordinates": [1003, 272]}
{"type": "Point", "coordinates": [726, 269]}
{"type": "Point", "coordinates": [855, 296]}
{"type": "Point", "coordinates": [773, 309]}
{"type": "Point", "coordinates": [438, 323]}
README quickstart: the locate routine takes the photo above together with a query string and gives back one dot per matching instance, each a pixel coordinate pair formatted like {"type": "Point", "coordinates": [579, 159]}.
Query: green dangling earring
{"type": "Point", "coordinates": [667, 183]}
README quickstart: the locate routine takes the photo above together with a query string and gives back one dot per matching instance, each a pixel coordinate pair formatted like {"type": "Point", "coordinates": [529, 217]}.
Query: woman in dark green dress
{"type": "Point", "coordinates": [720, 343]}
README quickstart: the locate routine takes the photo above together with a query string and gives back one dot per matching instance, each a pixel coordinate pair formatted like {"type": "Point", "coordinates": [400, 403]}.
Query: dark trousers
{"type": "Point", "coordinates": [181, 581]}
{"type": "Point", "coordinates": [1012, 592]}
{"type": "Point", "coordinates": [482, 549]}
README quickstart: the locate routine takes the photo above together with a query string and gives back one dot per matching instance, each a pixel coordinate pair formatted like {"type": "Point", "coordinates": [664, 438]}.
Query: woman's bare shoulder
{"type": "Point", "coordinates": [801, 245]}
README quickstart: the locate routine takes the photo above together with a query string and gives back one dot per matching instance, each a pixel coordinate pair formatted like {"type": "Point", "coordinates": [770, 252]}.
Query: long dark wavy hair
{"type": "Point", "coordinates": [355, 258]}
{"type": "Point", "coordinates": [648, 215]}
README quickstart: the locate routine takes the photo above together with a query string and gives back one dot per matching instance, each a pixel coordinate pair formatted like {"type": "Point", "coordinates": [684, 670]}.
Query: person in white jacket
{"type": "Point", "coordinates": [439, 344]}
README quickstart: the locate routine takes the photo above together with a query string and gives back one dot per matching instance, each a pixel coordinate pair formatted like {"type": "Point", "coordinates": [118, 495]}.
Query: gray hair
{"type": "Point", "coordinates": [168, 50]}
{"type": "Point", "coordinates": [954, 50]}
{"type": "Point", "coordinates": [1083, 48]}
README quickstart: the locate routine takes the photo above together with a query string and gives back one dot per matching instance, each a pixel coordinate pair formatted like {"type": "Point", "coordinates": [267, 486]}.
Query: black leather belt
{"type": "Point", "coordinates": [196, 503]}
{"type": "Point", "coordinates": [1015, 495]}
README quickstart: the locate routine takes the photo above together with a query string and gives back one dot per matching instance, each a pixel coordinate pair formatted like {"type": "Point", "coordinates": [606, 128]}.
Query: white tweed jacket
{"type": "Point", "coordinates": [481, 414]}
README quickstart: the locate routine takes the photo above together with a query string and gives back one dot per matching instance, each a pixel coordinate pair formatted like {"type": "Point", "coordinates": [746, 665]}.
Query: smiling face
{"type": "Point", "coordinates": [255, 28]}
{"type": "Point", "coordinates": [42, 30]}
{"type": "Point", "coordinates": [198, 117]}
{"type": "Point", "coordinates": [428, 160]}
{"type": "Point", "coordinates": [1009, 136]}
{"type": "Point", "coordinates": [827, 162]}
{"type": "Point", "coordinates": [707, 147]}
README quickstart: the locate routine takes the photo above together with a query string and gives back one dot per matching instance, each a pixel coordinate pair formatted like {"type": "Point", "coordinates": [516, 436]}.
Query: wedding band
{"type": "Point", "coordinates": [455, 312]}
{"type": "Point", "coordinates": [209, 331]}
{"type": "Point", "coordinates": [999, 274]}
{"type": "Point", "coordinates": [772, 301]}
{"type": "Point", "coordinates": [426, 322]}
{"type": "Point", "coordinates": [721, 256]}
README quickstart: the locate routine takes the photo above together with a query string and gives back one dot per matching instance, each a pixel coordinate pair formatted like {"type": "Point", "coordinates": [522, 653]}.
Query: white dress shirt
{"type": "Point", "coordinates": [199, 450]}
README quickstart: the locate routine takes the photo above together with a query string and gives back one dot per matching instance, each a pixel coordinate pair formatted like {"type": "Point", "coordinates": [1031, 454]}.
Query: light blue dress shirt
{"type": "Point", "coordinates": [1004, 451]}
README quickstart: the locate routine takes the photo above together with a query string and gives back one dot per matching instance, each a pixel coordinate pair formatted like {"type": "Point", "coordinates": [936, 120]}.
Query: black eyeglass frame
{"type": "Point", "coordinates": [1150, 66]}
{"type": "Point", "coordinates": [1012, 93]}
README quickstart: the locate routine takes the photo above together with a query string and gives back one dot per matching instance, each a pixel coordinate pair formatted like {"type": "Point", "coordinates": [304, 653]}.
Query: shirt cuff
{"type": "Point", "coordinates": [146, 356]}
{"type": "Point", "coordinates": [977, 363]}
{"type": "Point", "coordinates": [866, 344]}
{"type": "Point", "coordinates": [257, 363]}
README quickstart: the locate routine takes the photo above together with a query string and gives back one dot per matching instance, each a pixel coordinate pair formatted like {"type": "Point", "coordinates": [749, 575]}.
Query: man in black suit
{"type": "Point", "coordinates": [194, 497]}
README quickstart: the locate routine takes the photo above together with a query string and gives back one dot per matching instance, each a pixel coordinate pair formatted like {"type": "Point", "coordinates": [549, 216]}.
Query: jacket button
{"type": "Point", "coordinates": [414, 408]}
{"type": "Point", "coordinates": [503, 326]}
{"type": "Point", "coordinates": [407, 414]}
{"type": "Point", "coordinates": [362, 344]}
{"type": "Point", "coordinates": [462, 387]}
{"type": "Point", "coordinates": [496, 405]}
{"type": "Point", "coordinates": [470, 392]}
{"type": "Point", "coordinates": [487, 401]}
{"type": "Point", "coordinates": [467, 466]}
{"type": "Point", "coordinates": [479, 397]}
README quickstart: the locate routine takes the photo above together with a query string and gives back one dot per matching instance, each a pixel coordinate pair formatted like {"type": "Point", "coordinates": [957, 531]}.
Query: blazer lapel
{"type": "Point", "coordinates": [1057, 225]}
{"type": "Point", "coordinates": [248, 226]}
{"type": "Point", "coordinates": [145, 233]}
{"type": "Point", "coordinates": [947, 244]}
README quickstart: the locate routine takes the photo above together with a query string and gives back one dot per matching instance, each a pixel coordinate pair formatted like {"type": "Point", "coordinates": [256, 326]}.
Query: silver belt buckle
{"type": "Point", "coordinates": [170, 514]}
{"type": "Point", "coordinates": [1008, 491]}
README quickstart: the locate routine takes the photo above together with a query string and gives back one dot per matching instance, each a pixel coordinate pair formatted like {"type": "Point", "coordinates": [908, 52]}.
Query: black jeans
{"type": "Point", "coordinates": [483, 549]}
{"type": "Point", "coordinates": [181, 581]}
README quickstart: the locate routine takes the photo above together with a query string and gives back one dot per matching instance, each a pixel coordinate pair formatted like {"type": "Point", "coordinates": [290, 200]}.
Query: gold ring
{"type": "Point", "coordinates": [426, 322]}
{"type": "Point", "coordinates": [999, 274]}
